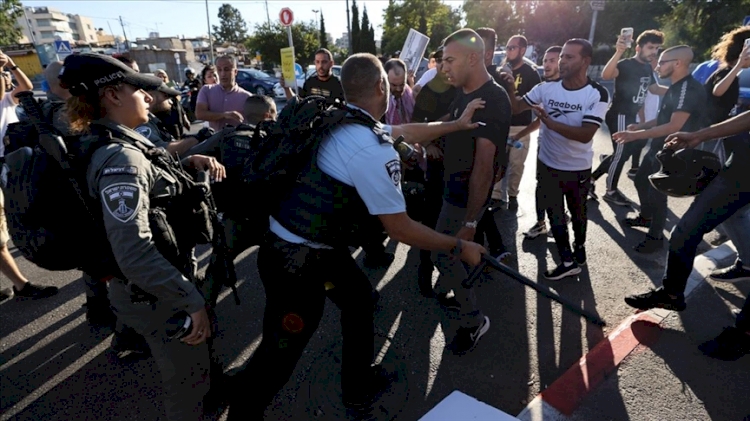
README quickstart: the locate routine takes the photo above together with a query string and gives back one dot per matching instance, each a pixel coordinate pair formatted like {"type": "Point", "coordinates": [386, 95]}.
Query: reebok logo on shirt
{"type": "Point", "coordinates": [573, 107]}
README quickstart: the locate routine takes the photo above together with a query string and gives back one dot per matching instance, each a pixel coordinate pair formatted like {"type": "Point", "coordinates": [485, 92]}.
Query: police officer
{"type": "Point", "coordinates": [305, 256]}
{"type": "Point", "coordinates": [136, 188]}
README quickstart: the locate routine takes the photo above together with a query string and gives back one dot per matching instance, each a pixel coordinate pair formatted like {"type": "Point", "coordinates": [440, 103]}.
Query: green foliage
{"type": "Point", "coordinates": [323, 37]}
{"type": "Point", "coordinates": [232, 28]}
{"type": "Point", "coordinates": [367, 37]}
{"type": "Point", "coordinates": [270, 40]}
{"type": "Point", "coordinates": [356, 32]}
{"type": "Point", "coordinates": [10, 11]}
{"type": "Point", "coordinates": [430, 17]}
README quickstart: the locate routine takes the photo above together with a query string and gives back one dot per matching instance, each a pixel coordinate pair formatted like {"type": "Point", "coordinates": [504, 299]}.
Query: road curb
{"type": "Point", "coordinates": [558, 401]}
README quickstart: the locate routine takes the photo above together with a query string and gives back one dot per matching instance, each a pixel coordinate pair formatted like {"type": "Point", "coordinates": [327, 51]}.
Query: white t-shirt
{"type": "Point", "coordinates": [7, 116]}
{"type": "Point", "coordinates": [571, 107]}
{"type": "Point", "coordinates": [427, 77]}
{"type": "Point", "coordinates": [354, 156]}
{"type": "Point", "coordinates": [650, 105]}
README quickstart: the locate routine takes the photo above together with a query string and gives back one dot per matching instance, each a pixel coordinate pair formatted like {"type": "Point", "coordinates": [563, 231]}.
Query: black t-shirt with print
{"type": "Point", "coordinates": [688, 95]}
{"type": "Point", "coordinates": [330, 88]}
{"type": "Point", "coordinates": [460, 146]}
{"type": "Point", "coordinates": [720, 106]}
{"type": "Point", "coordinates": [526, 77]}
{"type": "Point", "coordinates": [631, 86]}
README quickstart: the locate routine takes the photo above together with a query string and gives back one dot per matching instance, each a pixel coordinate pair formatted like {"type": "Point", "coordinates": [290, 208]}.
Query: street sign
{"type": "Point", "coordinates": [299, 73]}
{"type": "Point", "coordinates": [62, 47]}
{"type": "Point", "coordinates": [597, 5]}
{"type": "Point", "coordinates": [203, 57]}
{"type": "Point", "coordinates": [286, 16]}
{"type": "Point", "coordinates": [746, 21]}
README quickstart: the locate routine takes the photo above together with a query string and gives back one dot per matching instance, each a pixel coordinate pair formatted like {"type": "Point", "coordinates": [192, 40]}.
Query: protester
{"type": "Point", "coordinates": [221, 104]}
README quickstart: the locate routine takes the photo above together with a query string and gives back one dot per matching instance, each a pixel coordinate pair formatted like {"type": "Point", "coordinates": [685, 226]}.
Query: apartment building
{"type": "Point", "coordinates": [42, 25]}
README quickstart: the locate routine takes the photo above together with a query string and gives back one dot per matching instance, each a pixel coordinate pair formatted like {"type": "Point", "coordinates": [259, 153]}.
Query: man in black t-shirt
{"type": "Point", "coordinates": [324, 82]}
{"type": "Point", "coordinates": [471, 162]}
{"type": "Point", "coordinates": [633, 79]}
{"type": "Point", "coordinates": [525, 77]}
{"type": "Point", "coordinates": [682, 109]}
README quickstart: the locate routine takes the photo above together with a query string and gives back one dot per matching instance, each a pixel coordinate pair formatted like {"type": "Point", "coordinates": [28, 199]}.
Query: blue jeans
{"type": "Point", "coordinates": [653, 202]}
{"type": "Point", "coordinates": [724, 197]}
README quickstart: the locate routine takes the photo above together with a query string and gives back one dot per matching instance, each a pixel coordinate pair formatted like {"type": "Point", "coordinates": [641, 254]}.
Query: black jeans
{"type": "Point", "coordinates": [294, 277]}
{"type": "Point", "coordinates": [433, 202]}
{"type": "Point", "coordinates": [653, 202]}
{"type": "Point", "coordinates": [558, 187]}
{"type": "Point", "coordinates": [719, 201]}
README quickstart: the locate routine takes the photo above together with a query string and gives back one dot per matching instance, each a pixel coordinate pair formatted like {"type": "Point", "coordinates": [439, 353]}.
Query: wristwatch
{"type": "Point", "coordinates": [471, 224]}
{"type": "Point", "coordinates": [12, 69]}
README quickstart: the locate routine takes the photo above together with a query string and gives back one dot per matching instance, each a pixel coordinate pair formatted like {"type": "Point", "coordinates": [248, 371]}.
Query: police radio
{"type": "Point", "coordinates": [405, 150]}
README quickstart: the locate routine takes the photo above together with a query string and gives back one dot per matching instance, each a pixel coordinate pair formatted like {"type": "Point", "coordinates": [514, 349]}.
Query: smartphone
{"type": "Point", "coordinates": [627, 35]}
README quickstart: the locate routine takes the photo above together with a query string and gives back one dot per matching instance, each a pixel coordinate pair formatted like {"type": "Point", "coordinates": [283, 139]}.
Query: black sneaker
{"type": "Point", "coordinates": [372, 389]}
{"type": "Point", "coordinates": [468, 338]}
{"type": "Point", "coordinates": [562, 271]}
{"type": "Point", "coordinates": [632, 172]}
{"type": "Point", "coordinates": [579, 255]}
{"type": "Point", "coordinates": [656, 298]}
{"type": "Point", "coordinates": [649, 245]}
{"type": "Point", "coordinates": [34, 292]}
{"type": "Point", "coordinates": [98, 312]}
{"type": "Point", "coordinates": [592, 190]}
{"type": "Point", "coordinates": [5, 294]}
{"type": "Point", "coordinates": [616, 198]}
{"type": "Point", "coordinates": [129, 345]}
{"type": "Point", "coordinates": [731, 345]}
{"type": "Point", "coordinates": [735, 273]}
{"type": "Point", "coordinates": [448, 303]}
{"type": "Point", "coordinates": [637, 221]}
{"type": "Point", "coordinates": [540, 228]}
{"type": "Point", "coordinates": [719, 240]}
{"type": "Point", "coordinates": [378, 260]}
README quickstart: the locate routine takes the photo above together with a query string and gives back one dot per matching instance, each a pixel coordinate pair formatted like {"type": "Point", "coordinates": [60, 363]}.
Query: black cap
{"type": "Point", "coordinates": [88, 72]}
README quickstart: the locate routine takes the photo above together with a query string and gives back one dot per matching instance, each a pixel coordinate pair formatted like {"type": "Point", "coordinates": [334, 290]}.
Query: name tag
{"type": "Point", "coordinates": [125, 170]}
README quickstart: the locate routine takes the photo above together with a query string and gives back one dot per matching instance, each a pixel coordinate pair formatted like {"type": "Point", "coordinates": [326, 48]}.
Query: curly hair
{"type": "Point", "coordinates": [84, 109]}
{"type": "Point", "coordinates": [729, 48]}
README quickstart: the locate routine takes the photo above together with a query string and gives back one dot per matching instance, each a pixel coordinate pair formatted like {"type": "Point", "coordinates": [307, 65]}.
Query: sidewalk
{"type": "Point", "coordinates": [669, 375]}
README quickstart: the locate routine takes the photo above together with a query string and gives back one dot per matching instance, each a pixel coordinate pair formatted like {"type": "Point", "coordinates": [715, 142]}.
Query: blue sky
{"type": "Point", "coordinates": [188, 17]}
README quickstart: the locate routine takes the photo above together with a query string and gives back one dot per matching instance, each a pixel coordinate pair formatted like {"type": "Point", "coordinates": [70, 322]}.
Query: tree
{"type": "Point", "coordinates": [323, 36]}
{"type": "Point", "coordinates": [498, 15]}
{"type": "Point", "coordinates": [232, 28]}
{"type": "Point", "coordinates": [10, 11]}
{"type": "Point", "coordinates": [268, 41]}
{"type": "Point", "coordinates": [431, 17]}
{"type": "Point", "coordinates": [356, 33]}
{"type": "Point", "coordinates": [367, 37]}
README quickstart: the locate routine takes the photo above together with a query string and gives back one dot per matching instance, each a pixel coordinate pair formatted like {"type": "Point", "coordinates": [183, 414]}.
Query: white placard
{"type": "Point", "coordinates": [414, 48]}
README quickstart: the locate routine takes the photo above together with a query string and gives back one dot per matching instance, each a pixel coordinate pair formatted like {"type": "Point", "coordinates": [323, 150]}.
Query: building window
{"type": "Point", "coordinates": [91, 37]}
{"type": "Point", "coordinates": [76, 37]}
{"type": "Point", "coordinates": [47, 34]}
{"type": "Point", "coordinates": [72, 25]}
{"type": "Point", "coordinates": [43, 22]}
{"type": "Point", "coordinates": [89, 26]}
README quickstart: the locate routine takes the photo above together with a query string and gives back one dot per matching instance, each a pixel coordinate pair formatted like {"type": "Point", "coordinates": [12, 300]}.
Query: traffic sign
{"type": "Point", "coordinates": [62, 47]}
{"type": "Point", "coordinates": [746, 21]}
{"type": "Point", "coordinates": [597, 5]}
{"type": "Point", "coordinates": [203, 57]}
{"type": "Point", "coordinates": [298, 71]}
{"type": "Point", "coordinates": [286, 16]}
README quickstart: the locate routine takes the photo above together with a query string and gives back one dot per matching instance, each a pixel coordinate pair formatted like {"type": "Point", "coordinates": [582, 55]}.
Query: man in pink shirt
{"type": "Point", "coordinates": [401, 103]}
{"type": "Point", "coordinates": [222, 103]}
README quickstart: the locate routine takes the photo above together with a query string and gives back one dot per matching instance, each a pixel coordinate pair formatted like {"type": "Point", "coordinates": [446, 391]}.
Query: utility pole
{"type": "Point", "coordinates": [349, 27]}
{"type": "Point", "coordinates": [127, 44]}
{"type": "Point", "coordinates": [117, 44]}
{"type": "Point", "coordinates": [210, 40]}
{"type": "Point", "coordinates": [317, 25]}
{"type": "Point", "coordinates": [597, 6]}
{"type": "Point", "coordinates": [268, 17]}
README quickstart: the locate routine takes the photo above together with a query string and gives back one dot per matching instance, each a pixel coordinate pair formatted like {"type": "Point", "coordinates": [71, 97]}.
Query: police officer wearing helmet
{"type": "Point", "coordinates": [135, 186]}
{"type": "Point", "coordinates": [305, 258]}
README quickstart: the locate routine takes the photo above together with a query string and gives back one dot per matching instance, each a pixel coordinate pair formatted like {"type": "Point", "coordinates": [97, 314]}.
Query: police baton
{"type": "Point", "coordinates": [544, 290]}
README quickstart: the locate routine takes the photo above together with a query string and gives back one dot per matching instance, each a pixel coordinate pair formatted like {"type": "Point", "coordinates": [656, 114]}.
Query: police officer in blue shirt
{"type": "Point", "coordinates": [305, 256]}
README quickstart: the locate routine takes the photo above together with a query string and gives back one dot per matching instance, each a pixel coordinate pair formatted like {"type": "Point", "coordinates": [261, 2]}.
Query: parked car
{"type": "Point", "coordinates": [257, 82]}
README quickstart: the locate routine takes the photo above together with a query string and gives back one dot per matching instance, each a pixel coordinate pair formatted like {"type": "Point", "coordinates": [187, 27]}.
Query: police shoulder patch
{"type": "Point", "coordinates": [122, 200]}
{"type": "Point", "coordinates": [120, 170]}
{"type": "Point", "coordinates": [393, 167]}
{"type": "Point", "coordinates": [144, 130]}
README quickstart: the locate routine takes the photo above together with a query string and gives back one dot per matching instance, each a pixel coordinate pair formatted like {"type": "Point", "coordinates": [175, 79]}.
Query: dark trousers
{"type": "Point", "coordinates": [295, 277]}
{"type": "Point", "coordinates": [719, 201]}
{"type": "Point", "coordinates": [621, 152]}
{"type": "Point", "coordinates": [653, 202]}
{"type": "Point", "coordinates": [487, 227]}
{"type": "Point", "coordinates": [433, 202]}
{"type": "Point", "coordinates": [743, 319]}
{"type": "Point", "coordinates": [539, 195]}
{"type": "Point", "coordinates": [557, 188]}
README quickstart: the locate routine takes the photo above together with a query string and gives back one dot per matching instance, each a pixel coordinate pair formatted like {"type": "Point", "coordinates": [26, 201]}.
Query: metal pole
{"type": "Point", "coordinates": [210, 40]}
{"type": "Point", "coordinates": [289, 33]}
{"type": "Point", "coordinates": [593, 27]}
{"type": "Point", "coordinates": [117, 44]}
{"type": "Point", "coordinates": [268, 17]}
{"type": "Point", "coordinates": [348, 27]}
{"type": "Point", "coordinates": [127, 44]}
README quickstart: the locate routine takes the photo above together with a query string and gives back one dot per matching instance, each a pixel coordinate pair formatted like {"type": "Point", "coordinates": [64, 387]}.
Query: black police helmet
{"type": "Point", "coordinates": [685, 172]}
{"type": "Point", "coordinates": [85, 73]}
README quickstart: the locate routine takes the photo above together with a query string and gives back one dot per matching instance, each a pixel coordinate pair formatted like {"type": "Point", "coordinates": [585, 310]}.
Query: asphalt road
{"type": "Point", "coordinates": [54, 367]}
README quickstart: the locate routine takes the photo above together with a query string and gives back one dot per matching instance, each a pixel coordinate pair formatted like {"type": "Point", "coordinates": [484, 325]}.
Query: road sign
{"type": "Point", "coordinates": [597, 5]}
{"type": "Point", "coordinates": [62, 47]}
{"type": "Point", "coordinates": [746, 21]}
{"type": "Point", "coordinates": [286, 16]}
{"type": "Point", "coordinates": [203, 57]}
{"type": "Point", "coordinates": [299, 73]}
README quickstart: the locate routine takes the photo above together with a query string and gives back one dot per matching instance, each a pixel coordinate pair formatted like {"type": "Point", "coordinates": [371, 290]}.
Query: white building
{"type": "Point", "coordinates": [43, 25]}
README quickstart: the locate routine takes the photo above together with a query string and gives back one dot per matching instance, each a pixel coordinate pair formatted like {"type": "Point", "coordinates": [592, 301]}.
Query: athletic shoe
{"type": "Point", "coordinates": [504, 257]}
{"type": "Point", "coordinates": [467, 338]}
{"type": "Point", "coordinates": [34, 292]}
{"type": "Point", "coordinates": [603, 157]}
{"type": "Point", "coordinates": [735, 273]}
{"type": "Point", "coordinates": [632, 172]}
{"type": "Point", "coordinates": [719, 240]}
{"type": "Point", "coordinates": [637, 221]}
{"type": "Point", "coordinates": [448, 303]}
{"type": "Point", "coordinates": [562, 271]}
{"type": "Point", "coordinates": [371, 388]}
{"type": "Point", "coordinates": [592, 190]}
{"type": "Point", "coordinates": [579, 255]}
{"type": "Point", "coordinates": [656, 298]}
{"type": "Point", "coordinates": [649, 245]}
{"type": "Point", "coordinates": [731, 345]}
{"type": "Point", "coordinates": [616, 198]}
{"type": "Point", "coordinates": [540, 228]}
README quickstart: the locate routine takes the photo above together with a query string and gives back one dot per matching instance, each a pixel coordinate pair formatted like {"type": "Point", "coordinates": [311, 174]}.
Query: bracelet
{"type": "Point", "coordinates": [456, 250]}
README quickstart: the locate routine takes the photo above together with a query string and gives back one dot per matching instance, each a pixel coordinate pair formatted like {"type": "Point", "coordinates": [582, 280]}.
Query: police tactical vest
{"type": "Point", "coordinates": [324, 210]}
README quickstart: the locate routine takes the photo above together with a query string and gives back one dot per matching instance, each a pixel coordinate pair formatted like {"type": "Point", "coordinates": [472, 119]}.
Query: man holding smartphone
{"type": "Point", "coordinates": [633, 79]}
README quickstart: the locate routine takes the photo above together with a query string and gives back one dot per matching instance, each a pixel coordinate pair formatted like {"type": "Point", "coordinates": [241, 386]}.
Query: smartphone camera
{"type": "Point", "coordinates": [627, 35]}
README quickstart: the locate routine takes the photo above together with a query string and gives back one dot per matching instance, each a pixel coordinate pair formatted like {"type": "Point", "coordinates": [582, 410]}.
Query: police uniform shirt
{"type": "Point", "coordinates": [124, 181]}
{"type": "Point", "coordinates": [354, 156]}
{"type": "Point", "coordinates": [151, 131]}
{"type": "Point", "coordinates": [574, 108]}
